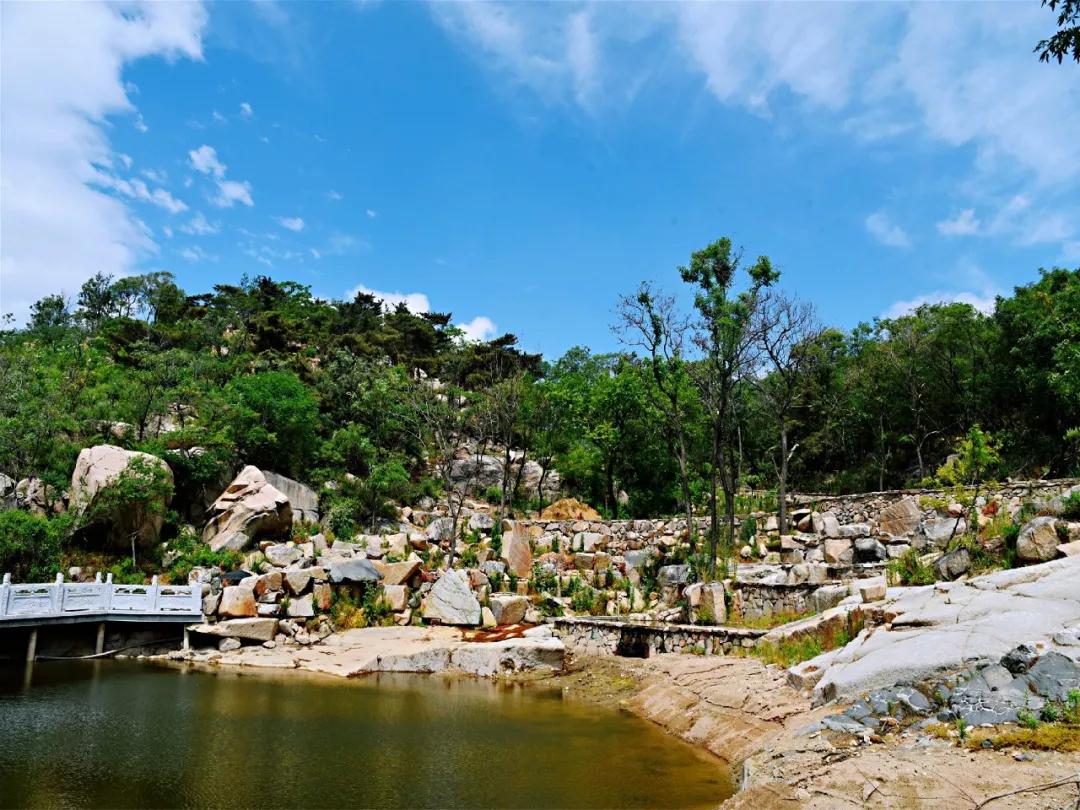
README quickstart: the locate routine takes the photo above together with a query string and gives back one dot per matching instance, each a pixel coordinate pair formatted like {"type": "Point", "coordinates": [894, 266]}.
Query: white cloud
{"type": "Point", "coordinates": [140, 124]}
{"type": "Point", "coordinates": [197, 254]}
{"type": "Point", "coordinates": [218, 117]}
{"type": "Point", "coordinates": [984, 302]}
{"type": "Point", "coordinates": [205, 161]}
{"type": "Point", "coordinates": [291, 223]}
{"type": "Point", "coordinates": [233, 191]}
{"type": "Point", "coordinates": [245, 110]}
{"type": "Point", "coordinates": [929, 73]}
{"type": "Point", "coordinates": [61, 71]}
{"type": "Point", "coordinates": [136, 189]}
{"type": "Point", "coordinates": [479, 328]}
{"type": "Point", "coordinates": [963, 224]}
{"type": "Point", "coordinates": [199, 225]}
{"type": "Point", "coordinates": [336, 196]}
{"type": "Point", "coordinates": [372, 213]}
{"type": "Point", "coordinates": [416, 302]}
{"type": "Point", "coordinates": [229, 192]}
{"type": "Point", "coordinates": [879, 226]}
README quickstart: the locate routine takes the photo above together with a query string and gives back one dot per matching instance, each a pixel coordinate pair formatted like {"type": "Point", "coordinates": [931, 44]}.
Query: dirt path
{"type": "Point", "coordinates": [746, 714]}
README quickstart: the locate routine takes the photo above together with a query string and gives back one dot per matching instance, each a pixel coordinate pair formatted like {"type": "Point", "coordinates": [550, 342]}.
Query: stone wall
{"type": "Point", "coordinates": [754, 600]}
{"type": "Point", "coordinates": [864, 506]}
{"type": "Point", "coordinates": [593, 636]}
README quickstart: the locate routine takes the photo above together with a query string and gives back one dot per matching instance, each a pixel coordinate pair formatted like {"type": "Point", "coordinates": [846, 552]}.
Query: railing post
{"type": "Point", "coordinates": [5, 590]}
{"type": "Point", "coordinates": [108, 592]}
{"type": "Point", "coordinates": [58, 595]}
{"type": "Point", "coordinates": [156, 591]}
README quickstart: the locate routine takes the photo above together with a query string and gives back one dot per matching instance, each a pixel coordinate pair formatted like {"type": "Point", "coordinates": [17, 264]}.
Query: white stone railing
{"type": "Point", "coordinates": [101, 599]}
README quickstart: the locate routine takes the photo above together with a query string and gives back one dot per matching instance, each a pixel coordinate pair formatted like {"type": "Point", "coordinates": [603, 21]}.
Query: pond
{"type": "Point", "coordinates": [125, 734]}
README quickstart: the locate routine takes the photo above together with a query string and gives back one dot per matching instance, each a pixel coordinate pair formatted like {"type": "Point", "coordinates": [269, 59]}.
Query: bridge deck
{"type": "Point", "coordinates": [39, 604]}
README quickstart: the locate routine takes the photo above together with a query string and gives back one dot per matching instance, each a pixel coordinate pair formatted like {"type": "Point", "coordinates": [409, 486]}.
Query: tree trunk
{"type": "Point", "coordinates": [781, 484]}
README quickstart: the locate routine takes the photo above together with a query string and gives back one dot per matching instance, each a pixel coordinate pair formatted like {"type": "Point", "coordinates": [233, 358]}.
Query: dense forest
{"type": "Point", "coordinates": [743, 389]}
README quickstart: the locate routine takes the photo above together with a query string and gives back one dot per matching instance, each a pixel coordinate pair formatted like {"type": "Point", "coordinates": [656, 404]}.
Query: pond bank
{"type": "Point", "coordinates": [746, 714]}
{"type": "Point", "coordinates": [737, 709]}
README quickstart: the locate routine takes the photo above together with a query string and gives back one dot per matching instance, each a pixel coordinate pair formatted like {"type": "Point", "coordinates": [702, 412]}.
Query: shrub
{"type": "Point", "coordinates": [1070, 506]}
{"type": "Point", "coordinates": [909, 569]}
{"type": "Point", "coordinates": [193, 552]}
{"type": "Point", "coordinates": [30, 545]}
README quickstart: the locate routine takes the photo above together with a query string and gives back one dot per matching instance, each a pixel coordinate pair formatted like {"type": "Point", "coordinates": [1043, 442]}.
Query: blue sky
{"type": "Point", "coordinates": [522, 165]}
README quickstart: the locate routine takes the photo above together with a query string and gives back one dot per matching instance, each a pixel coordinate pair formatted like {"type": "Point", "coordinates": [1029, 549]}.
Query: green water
{"type": "Point", "coordinates": [121, 734]}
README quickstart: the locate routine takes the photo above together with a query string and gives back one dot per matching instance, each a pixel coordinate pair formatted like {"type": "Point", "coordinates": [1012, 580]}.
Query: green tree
{"type": "Point", "coordinates": [724, 338]}
{"type": "Point", "coordinates": [1066, 40]}
{"type": "Point", "coordinates": [274, 420]}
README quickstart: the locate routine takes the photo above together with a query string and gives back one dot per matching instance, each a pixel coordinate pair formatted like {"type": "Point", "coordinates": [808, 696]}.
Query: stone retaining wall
{"type": "Point", "coordinates": [754, 600]}
{"type": "Point", "coordinates": [865, 506]}
{"type": "Point", "coordinates": [610, 636]}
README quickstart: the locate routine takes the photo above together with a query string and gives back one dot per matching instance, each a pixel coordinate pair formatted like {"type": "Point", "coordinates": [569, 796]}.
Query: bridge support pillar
{"type": "Point", "coordinates": [187, 639]}
{"type": "Point", "coordinates": [31, 647]}
{"type": "Point", "coordinates": [99, 647]}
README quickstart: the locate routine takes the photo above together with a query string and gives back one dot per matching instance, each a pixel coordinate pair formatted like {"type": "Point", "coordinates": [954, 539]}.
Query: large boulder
{"type": "Point", "coordinates": [940, 531]}
{"type": "Point", "coordinates": [1038, 540]}
{"type": "Point", "coordinates": [397, 573]}
{"type": "Point", "coordinates": [353, 569]}
{"type": "Point", "coordinates": [452, 601]}
{"type": "Point", "coordinates": [900, 518]}
{"type": "Point", "coordinates": [517, 549]}
{"type": "Point", "coordinates": [249, 629]}
{"type": "Point", "coordinates": [249, 507]}
{"type": "Point", "coordinates": [952, 565]}
{"type": "Point", "coordinates": [237, 601]}
{"type": "Point", "coordinates": [98, 470]}
{"type": "Point", "coordinates": [302, 498]}
{"type": "Point", "coordinates": [479, 473]}
{"type": "Point", "coordinates": [508, 608]}
{"type": "Point", "coordinates": [7, 492]}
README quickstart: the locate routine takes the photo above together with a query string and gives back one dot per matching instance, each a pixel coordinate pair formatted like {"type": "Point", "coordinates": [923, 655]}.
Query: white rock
{"type": "Point", "coordinates": [249, 507]}
{"type": "Point", "coordinates": [452, 601]}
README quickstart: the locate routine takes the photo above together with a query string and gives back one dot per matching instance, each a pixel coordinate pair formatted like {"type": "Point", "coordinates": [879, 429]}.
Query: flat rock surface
{"type": "Point", "coordinates": [407, 649]}
{"type": "Point", "coordinates": [942, 626]}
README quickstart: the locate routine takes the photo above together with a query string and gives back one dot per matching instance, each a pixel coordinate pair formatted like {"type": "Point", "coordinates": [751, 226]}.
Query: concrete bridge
{"type": "Point", "coordinates": [34, 605]}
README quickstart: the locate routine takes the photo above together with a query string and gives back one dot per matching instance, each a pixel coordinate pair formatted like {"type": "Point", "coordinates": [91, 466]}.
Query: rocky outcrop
{"type": "Point", "coordinates": [250, 507]}
{"type": "Point", "coordinates": [452, 600]}
{"type": "Point", "coordinates": [1038, 540]}
{"type": "Point", "coordinates": [100, 468]}
{"type": "Point", "coordinates": [302, 499]}
{"type": "Point", "coordinates": [940, 627]}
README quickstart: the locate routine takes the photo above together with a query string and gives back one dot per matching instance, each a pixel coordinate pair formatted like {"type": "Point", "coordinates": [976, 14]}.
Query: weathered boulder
{"type": "Point", "coordinates": [7, 492]}
{"type": "Point", "coordinates": [451, 600]}
{"type": "Point", "coordinates": [900, 518]}
{"type": "Point", "coordinates": [301, 607]}
{"type": "Point", "coordinates": [440, 529]}
{"type": "Point", "coordinates": [297, 581]}
{"type": "Point", "coordinates": [940, 531]}
{"type": "Point", "coordinates": [353, 569]}
{"type": "Point", "coordinates": [1038, 540]}
{"type": "Point", "coordinates": [100, 468]}
{"type": "Point", "coordinates": [396, 573]}
{"type": "Point", "coordinates": [511, 655]}
{"type": "Point", "coordinates": [237, 602]}
{"type": "Point", "coordinates": [282, 554]}
{"type": "Point", "coordinates": [37, 497]}
{"type": "Point", "coordinates": [712, 605]}
{"type": "Point", "coordinates": [839, 551]}
{"type": "Point", "coordinates": [248, 629]}
{"type": "Point", "coordinates": [952, 565]}
{"type": "Point", "coordinates": [508, 608]}
{"type": "Point", "coordinates": [479, 522]}
{"type": "Point", "coordinates": [302, 498]}
{"type": "Point", "coordinates": [1054, 676]}
{"type": "Point", "coordinates": [396, 597]}
{"type": "Point", "coordinates": [249, 507]}
{"type": "Point", "coordinates": [517, 550]}
{"type": "Point", "coordinates": [871, 590]}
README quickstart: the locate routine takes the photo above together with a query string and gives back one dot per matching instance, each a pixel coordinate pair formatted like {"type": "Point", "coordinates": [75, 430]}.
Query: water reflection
{"type": "Point", "coordinates": [115, 734]}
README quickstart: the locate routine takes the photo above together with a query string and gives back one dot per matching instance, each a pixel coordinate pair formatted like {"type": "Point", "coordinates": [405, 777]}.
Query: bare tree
{"type": "Point", "coordinates": [650, 321]}
{"type": "Point", "coordinates": [785, 329]}
{"type": "Point", "coordinates": [504, 401]}
{"type": "Point", "coordinates": [440, 420]}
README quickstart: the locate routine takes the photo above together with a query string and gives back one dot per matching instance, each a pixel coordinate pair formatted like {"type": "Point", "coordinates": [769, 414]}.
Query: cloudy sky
{"type": "Point", "coordinates": [521, 165]}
